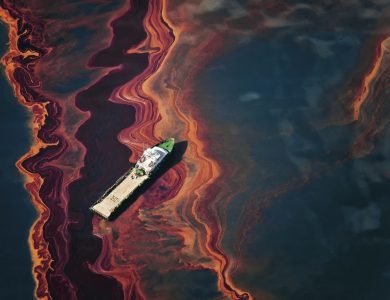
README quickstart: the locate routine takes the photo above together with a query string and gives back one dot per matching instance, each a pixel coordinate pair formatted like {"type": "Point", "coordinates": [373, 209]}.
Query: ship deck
{"type": "Point", "coordinates": [123, 190]}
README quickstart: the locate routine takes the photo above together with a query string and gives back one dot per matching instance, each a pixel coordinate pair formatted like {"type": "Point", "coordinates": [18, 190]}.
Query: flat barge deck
{"type": "Point", "coordinates": [111, 201]}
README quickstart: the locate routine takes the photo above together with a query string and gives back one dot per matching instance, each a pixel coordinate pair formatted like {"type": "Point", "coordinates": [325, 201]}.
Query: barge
{"type": "Point", "coordinates": [133, 179]}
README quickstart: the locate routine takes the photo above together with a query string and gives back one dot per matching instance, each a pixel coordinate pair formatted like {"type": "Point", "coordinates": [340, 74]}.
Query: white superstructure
{"type": "Point", "coordinates": [150, 159]}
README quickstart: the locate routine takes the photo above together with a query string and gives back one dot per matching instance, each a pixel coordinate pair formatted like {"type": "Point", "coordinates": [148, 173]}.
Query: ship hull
{"type": "Point", "coordinates": [112, 199]}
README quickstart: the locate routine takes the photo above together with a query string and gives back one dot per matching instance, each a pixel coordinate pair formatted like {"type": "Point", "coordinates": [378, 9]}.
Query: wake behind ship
{"type": "Point", "coordinates": [126, 185]}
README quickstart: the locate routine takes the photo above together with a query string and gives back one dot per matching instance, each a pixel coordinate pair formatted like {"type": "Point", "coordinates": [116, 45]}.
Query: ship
{"type": "Point", "coordinates": [149, 162]}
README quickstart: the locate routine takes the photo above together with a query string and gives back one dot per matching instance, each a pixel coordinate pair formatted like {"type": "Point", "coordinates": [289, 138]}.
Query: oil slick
{"type": "Point", "coordinates": [140, 91]}
{"type": "Point", "coordinates": [156, 110]}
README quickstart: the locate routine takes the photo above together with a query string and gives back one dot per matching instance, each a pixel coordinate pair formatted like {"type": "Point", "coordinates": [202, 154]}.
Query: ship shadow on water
{"type": "Point", "coordinates": [174, 158]}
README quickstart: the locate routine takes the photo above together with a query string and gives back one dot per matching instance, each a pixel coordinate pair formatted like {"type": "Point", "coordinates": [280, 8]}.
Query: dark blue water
{"type": "Point", "coordinates": [17, 213]}
{"type": "Point", "coordinates": [182, 284]}
{"type": "Point", "coordinates": [324, 232]}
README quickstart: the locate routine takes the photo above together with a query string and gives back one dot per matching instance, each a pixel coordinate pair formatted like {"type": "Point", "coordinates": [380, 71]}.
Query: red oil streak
{"type": "Point", "coordinates": [162, 111]}
{"type": "Point", "coordinates": [369, 77]}
{"type": "Point", "coordinates": [196, 193]}
{"type": "Point", "coordinates": [41, 258]}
